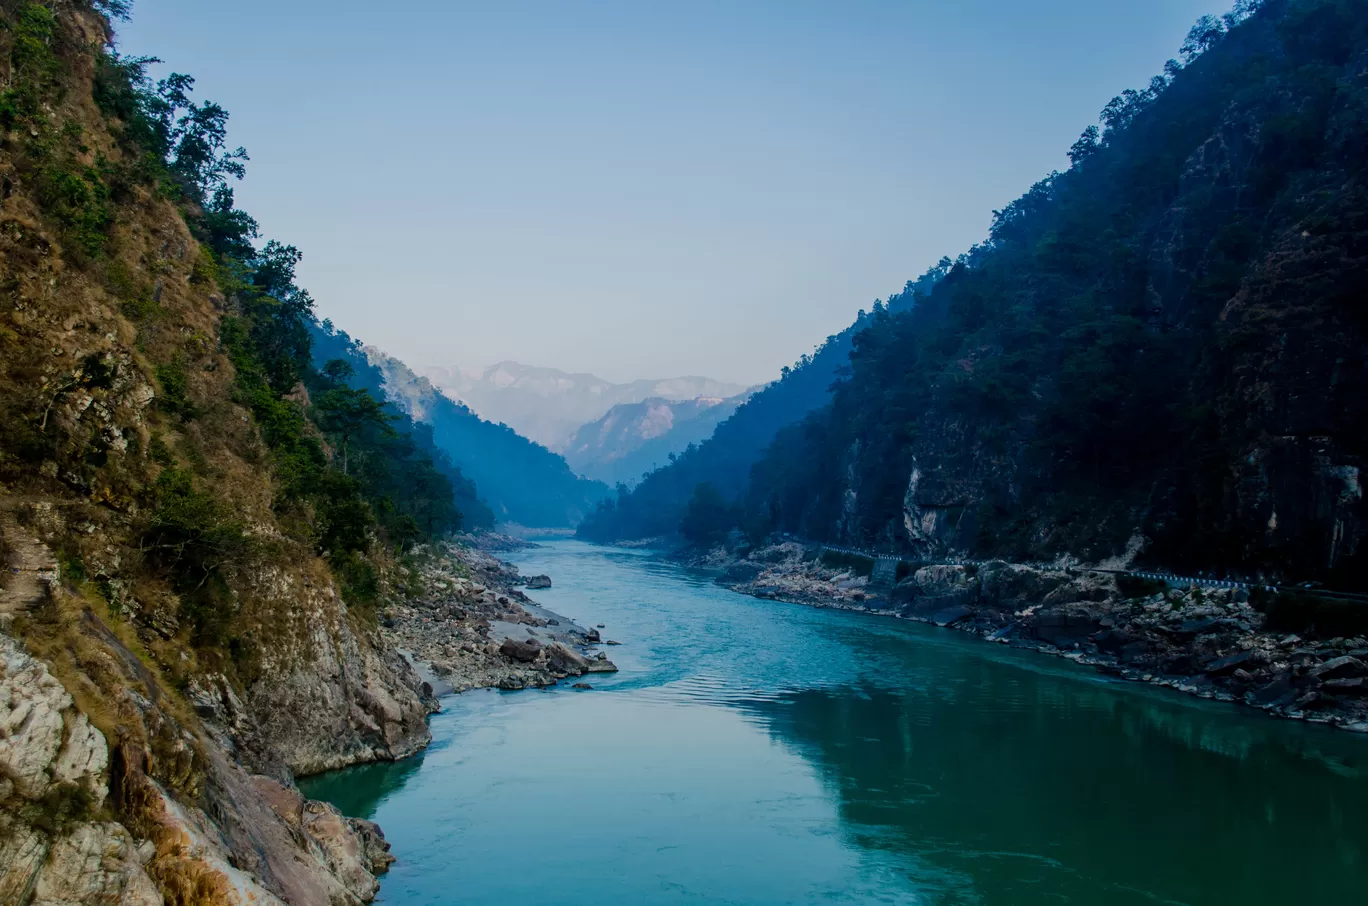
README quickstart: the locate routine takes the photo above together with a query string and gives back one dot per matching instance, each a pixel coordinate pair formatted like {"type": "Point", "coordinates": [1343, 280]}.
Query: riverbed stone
{"type": "Point", "coordinates": [1342, 667]}
{"type": "Point", "coordinates": [523, 650]}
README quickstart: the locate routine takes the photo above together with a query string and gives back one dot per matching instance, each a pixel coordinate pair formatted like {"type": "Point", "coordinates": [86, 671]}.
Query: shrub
{"type": "Point", "coordinates": [175, 388]}
{"type": "Point", "coordinates": [856, 563]}
{"type": "Point", "coordinates": [1139, 587]}
{"type": "Point", "coordinates": [1311, 614]}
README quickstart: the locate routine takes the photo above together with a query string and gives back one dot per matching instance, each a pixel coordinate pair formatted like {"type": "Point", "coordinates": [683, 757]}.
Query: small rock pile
{"type": "Point", "coordinates": [467, 627]}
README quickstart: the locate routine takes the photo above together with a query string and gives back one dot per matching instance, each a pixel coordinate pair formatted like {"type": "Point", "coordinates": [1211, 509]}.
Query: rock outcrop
{"type": "Point", "coordinates": [53, 762]}
{"type": "Point", "coordinates": [469, 625]}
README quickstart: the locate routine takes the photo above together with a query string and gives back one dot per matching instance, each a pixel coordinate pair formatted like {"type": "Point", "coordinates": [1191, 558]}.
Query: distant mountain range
{"type": "Point", "coordinates": [634, 438]}
{"type": "Point", "coordinates": [549, 406]}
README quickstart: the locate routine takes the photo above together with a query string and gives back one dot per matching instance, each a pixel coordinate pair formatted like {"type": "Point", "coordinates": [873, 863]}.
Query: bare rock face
{"type": "Point", "coordinates": [354, 850]}
{"type": "Point", "coordinates": [329, 696]}
{"type": "Point", "coordinates": [50, 754]}
{"type": "Point", "coordinates": [265, 845]}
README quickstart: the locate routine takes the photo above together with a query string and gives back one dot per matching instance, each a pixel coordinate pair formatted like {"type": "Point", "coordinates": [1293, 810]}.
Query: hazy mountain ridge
{"type": "Point", "coordinates": [634, 438]}
{"type": "Point", "coordinates": [549, 405]}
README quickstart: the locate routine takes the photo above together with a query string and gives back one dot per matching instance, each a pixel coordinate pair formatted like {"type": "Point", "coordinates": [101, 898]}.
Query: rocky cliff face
{"type": "Point", "coordinates": [149, 727]}
{"type": "Point", "coordinates": [148, 807]}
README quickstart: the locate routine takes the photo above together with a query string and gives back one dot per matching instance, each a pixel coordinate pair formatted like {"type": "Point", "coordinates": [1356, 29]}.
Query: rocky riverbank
{"type": "Point", "coordinates": [467, 624]}
{"type": "Point", "coordinates": [1213, 643]}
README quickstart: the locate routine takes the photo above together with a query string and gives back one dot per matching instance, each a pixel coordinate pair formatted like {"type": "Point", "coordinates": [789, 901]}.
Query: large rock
{"type": "Point", "coordinates": [94, 863]}
{"type": "Point", "coordinates": [1344, 667]}
{"type": "Point", "coordinates": [1066, 627]}
{"type": "Point", "coordinates": [538, 581]}
{"type": "Point", "coordinates": [1010, 587]}
{"type": "Point", "coordinates": [566, 660]}
{"type": "Point", "coordinates": [601, 664]}
{"type": "Point", "coordinates": [53, 758]}
{"type": "Point", "coordinates": [523, 650]}
{"type": "Point", "coordinates": [1232, 662]}
{"type": "Point", "coordinates": [951, 615]}
{"type": "Point", "coordinates": [742, 572]}
{"type": "Point", "coordinates": [932, 589]}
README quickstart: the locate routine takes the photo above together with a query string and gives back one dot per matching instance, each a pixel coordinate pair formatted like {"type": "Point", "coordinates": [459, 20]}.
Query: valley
{"type": "Point", "coordinates": [291, 619]}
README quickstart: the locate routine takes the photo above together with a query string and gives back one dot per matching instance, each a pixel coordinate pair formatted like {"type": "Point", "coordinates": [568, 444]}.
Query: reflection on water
{"type": "Point", "coordinates": [753, 752]}
{"type": "Point", "coordinates": [1046, 800]}
{"type": "Point", "coordinates": [358, 791]}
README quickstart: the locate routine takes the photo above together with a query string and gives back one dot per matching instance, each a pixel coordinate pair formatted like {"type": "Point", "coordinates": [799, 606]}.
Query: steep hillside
{"type": "Point", "coordinates": [548, 405]}
{"type": "Point", "coordinates": [1167, 344]}
{"type": "Point", "coordinates": [196, 540]}
{"type": "Point", "coordinates": [331, 345]}
{"type": "Point", "coordinates": [1164, 346]}
{"type": "Point", "coordinates": [635, 438]}
{"type": "Point", "coordinates": [523, 482]}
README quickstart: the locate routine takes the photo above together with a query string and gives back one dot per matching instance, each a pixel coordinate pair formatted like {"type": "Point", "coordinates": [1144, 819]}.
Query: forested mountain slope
{"type": "Point", "coordinates": [1168, 342]}
{"type": "Point", "coordinates": [332, 345]}
{"type": "Point", "coordinates": [521, 481]}
{"type": "Point", "coordinates": [198, 527]}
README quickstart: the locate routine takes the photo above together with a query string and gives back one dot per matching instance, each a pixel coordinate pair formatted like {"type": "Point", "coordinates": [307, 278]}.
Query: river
{"type": "Point", "coordinates": [754, 752]}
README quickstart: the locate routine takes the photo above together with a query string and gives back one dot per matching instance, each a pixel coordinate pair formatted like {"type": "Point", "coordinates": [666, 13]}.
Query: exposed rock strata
{"type": "Point", "coordinates": [155, 802]}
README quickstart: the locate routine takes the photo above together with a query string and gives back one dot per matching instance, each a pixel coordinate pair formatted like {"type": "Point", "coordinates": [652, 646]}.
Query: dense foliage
{"type": "Point", "coordinates": [1169, 338]}
{"type": "Point", "coordinates": [351, 475]}
{"type": "Point", "coordinates": [332, 346]}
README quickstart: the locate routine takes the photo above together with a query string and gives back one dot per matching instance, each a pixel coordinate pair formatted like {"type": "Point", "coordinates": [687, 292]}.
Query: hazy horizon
{"type": "Point", "coordinates": [641, 193]}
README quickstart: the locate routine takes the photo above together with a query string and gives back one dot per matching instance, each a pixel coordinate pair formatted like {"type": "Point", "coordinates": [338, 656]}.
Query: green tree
{"type": "Point", "coordinates": [707, 518]}
{"type": "Point", "coordinates": [344, 412]}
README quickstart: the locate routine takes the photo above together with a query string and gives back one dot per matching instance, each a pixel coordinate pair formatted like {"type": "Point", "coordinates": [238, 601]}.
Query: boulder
{"type": "Point", "coordinates": [1065, 628]}
{"type": "Point", "coordinates": [1230, 663]}
{"type": "Point", "coordinates": [951, 615]}
{"type": "Point", "coordinates": [538, 581]}
{"type": "Point", "coordinates": [524, 650]}
{"type": "Point", "coordinates": [1343, 667]}
{"type": "Point", "coordinates": [601, 664]}
{"type": "Point", "coordinates": [741, 572]}
{"type": "Point", "coordinates": [565, 660]}
{"type": "Point", "coordinates": [1114, 641]}
{"type": "Point", "coordinates": [1278, 693]}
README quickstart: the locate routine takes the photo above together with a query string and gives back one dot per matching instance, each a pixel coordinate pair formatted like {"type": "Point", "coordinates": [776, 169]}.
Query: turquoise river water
{"type": "Point", "coordinates": [753, 752]}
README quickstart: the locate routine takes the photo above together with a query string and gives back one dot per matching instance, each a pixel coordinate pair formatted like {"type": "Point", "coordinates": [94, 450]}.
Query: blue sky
{"type": "Point", "coordinates": [642, 189]}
